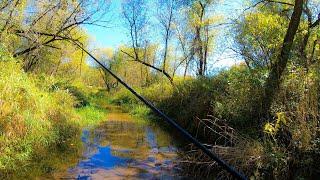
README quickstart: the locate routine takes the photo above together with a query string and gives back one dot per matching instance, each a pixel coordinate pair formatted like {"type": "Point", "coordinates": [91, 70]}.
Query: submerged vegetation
{"type": "Point", "coordinates": [260, 114]}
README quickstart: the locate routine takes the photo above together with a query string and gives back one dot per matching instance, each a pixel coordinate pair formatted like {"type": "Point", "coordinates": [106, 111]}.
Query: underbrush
{"type": "Point", "coordinates": [287, 147]}
{"type": "Point", "coordinates": [31, 117]}
{"type": "Point", "coordinates": [35, 115]}
{"type": "Point", "coordinates": [140, 111]}
{"type": "Point", "coordinates": [219, 111]}
{"type": "Point", "coordinates": [267, 158]}
{"type": "Point", "coordinates": [229, 95]}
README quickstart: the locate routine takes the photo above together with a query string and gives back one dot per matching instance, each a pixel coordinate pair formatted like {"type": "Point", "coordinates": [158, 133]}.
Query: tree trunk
{"type": "Point", "coordinates": [273, 82]}
{"type": "Point", "coordinates": [186, 69]}
{"type": "Point", "coordinates": [167, 37]}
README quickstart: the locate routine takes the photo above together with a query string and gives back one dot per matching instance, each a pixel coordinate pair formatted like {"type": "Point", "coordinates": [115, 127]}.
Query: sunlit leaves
{"type": "Point", "coordinates": [271, 128]}
{"type": "Point", "coordinates": [260, 36]}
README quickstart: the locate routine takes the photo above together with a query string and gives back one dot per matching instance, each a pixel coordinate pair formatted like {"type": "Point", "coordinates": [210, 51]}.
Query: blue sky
{"type": "Point", "coordinates": [110, 37]}
{"type": "Point", "coordinates": [116, 35]}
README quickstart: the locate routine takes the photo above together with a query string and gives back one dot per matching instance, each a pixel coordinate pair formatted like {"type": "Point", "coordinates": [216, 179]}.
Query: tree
{"type": "Point", "coordinates": [259, 34]}
{"type": "Point", "coordinates": [166, 12]}
{"type": "Point", "coordinates": [184, 38]}
{"type": "Point", "coordinates": [45, 22]}
{"type": "Point", "coordinates": [200, 21]}
{"type": "Point", "coordinates": [273, 81]}
{"type": "Point", "coordinates": [260, 40]}
{"type": "Point", "coordinates": [311, 24]}
{"type": "Point", "coordinates": [108, 59]}
{"type": "Point", "coordinates": [258, 37]}
{"type": "Point", "coordinates": [135, 15]}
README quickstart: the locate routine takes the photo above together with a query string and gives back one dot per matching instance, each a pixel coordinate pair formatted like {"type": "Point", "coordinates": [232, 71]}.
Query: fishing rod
{"type": "Point", "coordinates": [185, 133]}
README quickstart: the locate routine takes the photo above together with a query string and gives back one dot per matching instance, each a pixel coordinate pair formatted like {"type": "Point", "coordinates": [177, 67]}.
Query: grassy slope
{"type": "Point", "coordinates": [36, 116]}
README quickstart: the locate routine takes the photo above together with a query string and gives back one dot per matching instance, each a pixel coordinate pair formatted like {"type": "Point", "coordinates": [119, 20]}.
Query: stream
{"type": "Point", "coordinates": [124, 147]}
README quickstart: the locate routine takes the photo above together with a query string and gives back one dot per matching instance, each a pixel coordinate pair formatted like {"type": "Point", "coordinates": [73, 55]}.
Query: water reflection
{"type": "Point", "coordinates": [124, 147]}
{"type": "Point", "coordinates": [98, 156]}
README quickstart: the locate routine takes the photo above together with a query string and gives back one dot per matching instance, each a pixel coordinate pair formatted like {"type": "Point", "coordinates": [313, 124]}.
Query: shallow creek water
{"type": "Point", "coordinates": [125, 147]}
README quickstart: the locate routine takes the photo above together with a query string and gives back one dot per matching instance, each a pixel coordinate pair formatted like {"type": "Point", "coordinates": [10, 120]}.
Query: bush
{"type": "Point", "coordinates": [240, 90]}
{"type": "Point", "coordinates": [31, 116]}
{"type": "Point", "coordinates": [82, 99]}
{"type": "Point", "coordinates": [140, 110]}
{"type": "Point", "coordinates": [123, 97]}
{"type": "Point", "coordinates": [290, 147]}
{"type": "Point", "coordinates": [220, 111]}
{"type": "Point", "coordinates": [230, 95]}
{"type": "Point", "coordinates": [158, 91]}
{"type": "Point", "coordinates": [188, 100]}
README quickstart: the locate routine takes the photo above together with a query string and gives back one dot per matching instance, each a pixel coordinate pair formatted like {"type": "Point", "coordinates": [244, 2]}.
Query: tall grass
{"type": "Point", "coordinates": [91, 116]}
{"type": "Point", "coordinates": [219, 110]}
{"type": "Point", "coordinates": [30, 116]}
{"type": "Point", "coordinates": [36, 115]}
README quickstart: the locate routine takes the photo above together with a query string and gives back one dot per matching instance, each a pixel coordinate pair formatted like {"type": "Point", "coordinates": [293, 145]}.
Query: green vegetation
{"type": "Point", "coordinates": [47, 90]}
{"type": "Point", "coordinates": [30, 116]}
{"type": "Point", "coordinates": [91, 116]}
{"type": "Point", "coordinates": [261, 114]}
{"type": "Point", "coordinates": [217, 110]}
{"type": "Point", "coordinates": [36, 115]}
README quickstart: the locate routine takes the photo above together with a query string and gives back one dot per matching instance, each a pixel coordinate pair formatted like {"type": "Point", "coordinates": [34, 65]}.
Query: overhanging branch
{"type": "Point", "coordinates": [151, 66]}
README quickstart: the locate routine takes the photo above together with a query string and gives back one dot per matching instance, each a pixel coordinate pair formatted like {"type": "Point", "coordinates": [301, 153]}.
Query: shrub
{"type": "Point", "coordinates": [31, 117]}
{"type": "Point", "coordinates": [140, 110]}
{"type": "Point", "coordinates": [123, 96]}
{"type": "Point", "coordinates": [290, 147]}
{"type": "Point", "coordinates": [188, 100]}
{"type": "Point", "coordinates": [82, 99]}
{"type": "Point", "coordinates": [240, 90]}
{"type": "Point", "coordinates": [158, 91]}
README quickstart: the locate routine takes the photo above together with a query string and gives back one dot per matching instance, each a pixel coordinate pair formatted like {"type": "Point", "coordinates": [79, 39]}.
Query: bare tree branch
{"type": "Point", "coordinates": [149, 65]}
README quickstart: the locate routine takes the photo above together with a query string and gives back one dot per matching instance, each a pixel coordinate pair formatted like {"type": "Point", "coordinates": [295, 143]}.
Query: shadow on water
{"type": "Point", "coordinates": [124, 147]}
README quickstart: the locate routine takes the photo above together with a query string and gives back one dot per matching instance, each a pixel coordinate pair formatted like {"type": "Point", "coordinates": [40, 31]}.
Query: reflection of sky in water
{"type": "Point", "coordinates": [98, 156]}
{"type": "Point", "coordinates": [151, 138]}
{"type": "Point", "coordinates": [125, 148]}
{"type": "Point", "coordinates": [102, 159]}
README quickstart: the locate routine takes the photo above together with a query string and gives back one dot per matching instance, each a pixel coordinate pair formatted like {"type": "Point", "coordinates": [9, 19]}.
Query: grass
{"type": "Point", "coordinates": [91, 116]}
{"type": "Point", "coordinates": [205, 106]}
{"type": "Point", "coordinates": [140, 111]}
{"type": "Point", "coordinates": [32, 116]}
{"type": "Point", "coordinates": [37, 116]}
